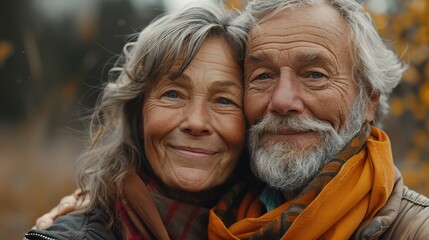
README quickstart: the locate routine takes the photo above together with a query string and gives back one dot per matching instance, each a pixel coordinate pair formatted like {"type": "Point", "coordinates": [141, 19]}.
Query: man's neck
{"type": "Point", "coordinates": [288, 195]}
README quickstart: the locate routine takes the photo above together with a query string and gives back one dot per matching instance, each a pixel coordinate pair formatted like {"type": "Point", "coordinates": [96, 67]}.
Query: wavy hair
{"type": "Point", "coordinates": [376, 68]}
{"type": "Point", "coordinates": [115, 128]}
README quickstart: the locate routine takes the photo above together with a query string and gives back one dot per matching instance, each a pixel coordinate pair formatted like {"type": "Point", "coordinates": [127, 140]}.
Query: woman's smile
{"type": "Point", "coordinates": [193, 152]}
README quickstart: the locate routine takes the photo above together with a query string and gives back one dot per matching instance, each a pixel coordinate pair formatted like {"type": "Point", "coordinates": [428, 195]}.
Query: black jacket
{"type": "Point", "coordinates": [89, 226]}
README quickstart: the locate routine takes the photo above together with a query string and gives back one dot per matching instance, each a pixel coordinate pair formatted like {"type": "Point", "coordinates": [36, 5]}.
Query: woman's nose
{"type": "Point", "coordinates": [196, 119]}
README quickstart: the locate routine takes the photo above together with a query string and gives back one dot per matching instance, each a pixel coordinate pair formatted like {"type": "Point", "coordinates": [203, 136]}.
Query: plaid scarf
{"type": "Point", "coordinates": [276, 223]}
{"type": "Point", "coordinates": [147, 214]}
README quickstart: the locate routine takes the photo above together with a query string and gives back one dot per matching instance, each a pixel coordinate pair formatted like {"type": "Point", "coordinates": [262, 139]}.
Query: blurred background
{"type": "Point", "coordinates": [55, 54]}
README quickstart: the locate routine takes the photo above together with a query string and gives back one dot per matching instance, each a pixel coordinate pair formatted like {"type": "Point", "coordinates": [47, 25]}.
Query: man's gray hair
{"type": "Point", "coordinates": [376, 68]}
{"type": "Point", "coordinates": [116, 125]}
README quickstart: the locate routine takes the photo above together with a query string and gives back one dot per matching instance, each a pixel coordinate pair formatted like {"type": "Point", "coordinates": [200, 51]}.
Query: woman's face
{"type": "Point", "coordinates": [194, 127]}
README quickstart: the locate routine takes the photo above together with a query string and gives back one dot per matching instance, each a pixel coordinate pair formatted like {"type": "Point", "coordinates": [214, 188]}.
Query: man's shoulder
{"type": "Point", "coordinates": [404, 216]}
{"type": "Point", "coordinates": [89, 225]}
{"type": "Point", "coordinates": [414, 213]}
{"type": "Point", "coordinates": [412, 221]}
{"type": "Point", "coordinates": [411, 199]}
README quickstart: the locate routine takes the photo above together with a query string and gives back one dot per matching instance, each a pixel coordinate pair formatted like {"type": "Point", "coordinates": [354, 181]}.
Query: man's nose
{"type": "Point", "coordinates": [196, 119]}
{"type": "Point", "coordinates": [286, 96]}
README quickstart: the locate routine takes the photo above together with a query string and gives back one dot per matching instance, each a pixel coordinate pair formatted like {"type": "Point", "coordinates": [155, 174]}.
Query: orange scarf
{"type": "Point", "coordinates": [361, 187]}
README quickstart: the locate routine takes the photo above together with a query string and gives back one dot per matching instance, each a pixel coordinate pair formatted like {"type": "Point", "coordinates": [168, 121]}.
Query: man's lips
{"type": "Point", "coordinates": [290, 132]}
{"type": "Point", "coordinates": [287, 135]}
{"type": "Point", "coordinates": [191, 151]}
{"type": "Point", "coordinates": [286, 132]}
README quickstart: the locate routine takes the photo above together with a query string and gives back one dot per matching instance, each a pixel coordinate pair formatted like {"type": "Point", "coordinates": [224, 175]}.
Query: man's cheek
{"type": "Point", "coordinates": [254, 108]}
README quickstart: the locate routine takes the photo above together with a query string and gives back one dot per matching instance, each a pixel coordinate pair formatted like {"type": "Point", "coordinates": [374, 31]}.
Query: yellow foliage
{"type": "Point", "coordinates": [411, 76]}
{"type": "Point", "coordinates": [6, 49]}
{"type": "Point", "coordinates": [424, 94]}
{"type": "Point", "coordinates": [413, 155]}
{"type": "Point", "coordinates": [88, 30]}
{"type": "Point", "coordinates": [420, 138]}
{"type": "Point", "coordinates": [381, 22]}
{"type": "Point", "coordinates": [70, 91]}
{"type": "Point", "coordinates": [425, 169]}
{"type": "Point", "coordinates": [422, 35]}
{"type": "Point", "coordinates": [419, 55]}
{"type": "Point", "coordinates": [408, 30]}
{"type": "Point", "coordinates": [418, 7]}
{"type": "Point", "coordinates": [233, 4]}
{"type": "Point", "coordinates": [411, 179]}
{"type": "Point", "coordinates": [402, 47]}
{"type": "Point", "coordinates": [426, 70]}
{"type": "Point", "coordinates": [397, 106]}
{"type": "Point", "coordinates": [419, 111]}
{"type": "Point", "coordinates": [410, 101]}
{"type": "Point", "coordinates": [401, 22]}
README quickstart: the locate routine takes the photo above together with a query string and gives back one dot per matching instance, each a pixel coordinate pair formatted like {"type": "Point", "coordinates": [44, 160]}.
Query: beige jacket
{"type": "Point", "coordinates": [405, 216]}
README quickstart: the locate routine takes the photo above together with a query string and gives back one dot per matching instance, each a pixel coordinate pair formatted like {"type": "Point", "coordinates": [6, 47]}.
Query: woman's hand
{"type": "Point", "coordinates": [67, 204]}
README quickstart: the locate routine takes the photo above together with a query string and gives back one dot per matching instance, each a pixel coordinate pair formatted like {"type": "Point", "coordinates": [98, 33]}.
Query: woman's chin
{"type": "Point", "coordinates": [195, 184]}
{"type": "Point", "coordinates": [195, 181]}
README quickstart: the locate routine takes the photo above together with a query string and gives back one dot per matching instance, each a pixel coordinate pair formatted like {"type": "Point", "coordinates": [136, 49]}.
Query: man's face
{"type": "Point", "coordinates": [299, 64]}
{"type": "Point", "coordinates": [299, 86]}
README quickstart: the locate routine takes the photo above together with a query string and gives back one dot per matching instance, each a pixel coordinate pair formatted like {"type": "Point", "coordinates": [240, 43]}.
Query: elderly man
{"type": "Point", "coordinates": [317, 79]}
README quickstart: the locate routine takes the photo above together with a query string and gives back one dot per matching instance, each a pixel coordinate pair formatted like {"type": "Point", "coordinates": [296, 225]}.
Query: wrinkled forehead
{"type": "Point", "coordinates": [323, 21]}
{"type": "Point", "coordinates": [322, 15]}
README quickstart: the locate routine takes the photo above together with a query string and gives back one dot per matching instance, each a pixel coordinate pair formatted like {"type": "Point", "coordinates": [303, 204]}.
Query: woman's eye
{"type": "Point", "coordinates": [172, 94]}
{"type": "Point", "coordinates": [224, 101]}
{"type": "Point", "coordinates": [315, 75]}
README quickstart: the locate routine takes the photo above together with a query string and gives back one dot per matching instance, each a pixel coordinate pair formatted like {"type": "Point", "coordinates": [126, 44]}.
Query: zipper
{"type": "Point", "coordinates": [31, 235]}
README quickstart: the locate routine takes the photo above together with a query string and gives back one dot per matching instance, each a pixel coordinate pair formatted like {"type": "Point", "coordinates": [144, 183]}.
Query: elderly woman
{"type": "Point", "coordinates": [167, 133]}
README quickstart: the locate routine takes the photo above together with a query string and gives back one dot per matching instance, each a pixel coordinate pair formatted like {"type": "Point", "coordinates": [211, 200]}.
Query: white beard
{"type": "Point", "coordinates": [286, 165]}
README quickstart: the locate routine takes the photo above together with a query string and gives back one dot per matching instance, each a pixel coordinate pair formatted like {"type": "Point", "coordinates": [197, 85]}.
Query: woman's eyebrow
{"type": "Point", "coordinates": [183, 77]}
{"type": "Point", "coordinates": [225, 84]}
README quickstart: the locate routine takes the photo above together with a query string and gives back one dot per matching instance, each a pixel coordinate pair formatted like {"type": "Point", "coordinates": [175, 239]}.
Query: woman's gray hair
{"type": "Point", "coordinates": [116, 124]}
{"type": "Point", "coordinates": [376, 68]}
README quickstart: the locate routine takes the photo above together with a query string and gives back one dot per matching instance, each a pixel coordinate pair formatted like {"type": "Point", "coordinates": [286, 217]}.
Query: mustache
{"type": "Point", "coordinates": [274, 124]}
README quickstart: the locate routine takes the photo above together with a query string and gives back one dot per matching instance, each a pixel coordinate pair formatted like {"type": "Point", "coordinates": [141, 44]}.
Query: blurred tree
{"type": "Point", "coordinates": [14, 73]}
{"type": "Point", "coordinates": [406, 25]}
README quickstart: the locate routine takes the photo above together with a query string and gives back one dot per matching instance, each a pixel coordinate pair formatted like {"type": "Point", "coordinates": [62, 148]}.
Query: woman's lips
{"type": "Point", "coordinates": [189, 151]}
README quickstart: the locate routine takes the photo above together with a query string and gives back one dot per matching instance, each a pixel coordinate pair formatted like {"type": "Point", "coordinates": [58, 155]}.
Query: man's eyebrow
{"type": "Point", "coordinates": [256, 57]}
{"type": "Point", "coordinates": [313, 58]}
{"type": "Point", "coordinates": [303, 58]}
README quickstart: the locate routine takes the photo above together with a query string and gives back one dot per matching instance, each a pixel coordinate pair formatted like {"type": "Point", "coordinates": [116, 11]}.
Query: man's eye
{"type": "Point", "coordinates": [172, 94]}
{"type": "Point", "coordinates": [263, 76]}
{"type": "Point", "coordinates": [315, 75]}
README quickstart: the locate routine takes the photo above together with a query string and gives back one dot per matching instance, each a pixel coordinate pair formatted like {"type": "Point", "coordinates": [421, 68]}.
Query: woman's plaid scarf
{"type": "Point", "coordinates": [278, 226]}
{"type": "Point", "coordinates": [147, 214]}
